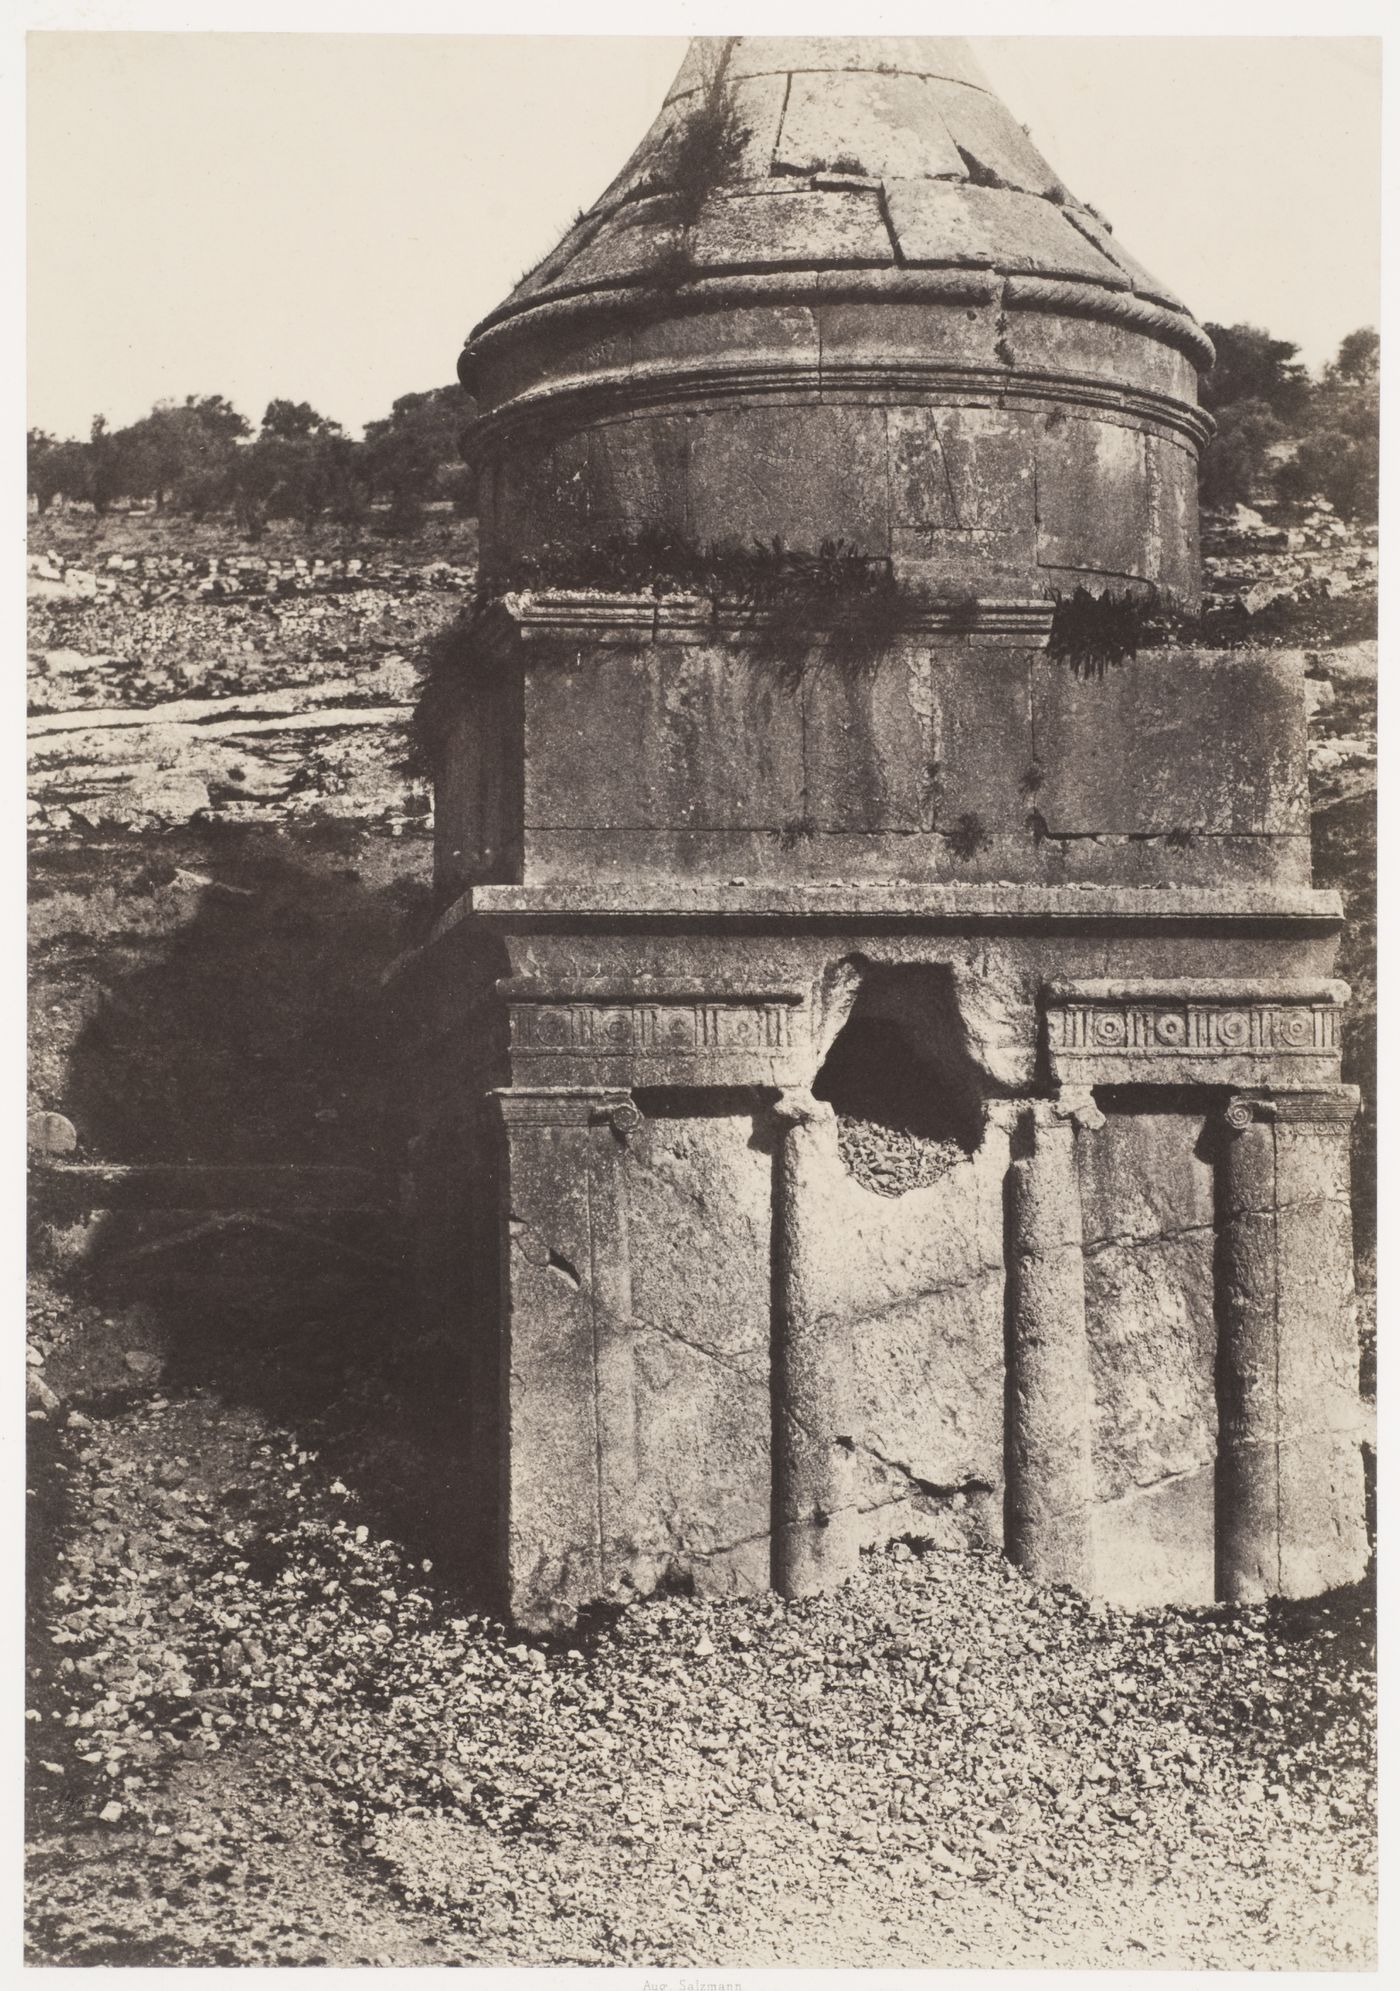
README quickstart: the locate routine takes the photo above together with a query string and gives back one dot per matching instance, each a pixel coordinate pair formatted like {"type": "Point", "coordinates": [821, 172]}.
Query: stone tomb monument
{"type": "Point", "coordinates": [877, 1078]}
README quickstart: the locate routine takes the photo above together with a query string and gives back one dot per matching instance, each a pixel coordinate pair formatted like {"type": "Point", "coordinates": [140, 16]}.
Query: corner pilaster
{"type": "Point", "coordinates": [1290, 1490]}
{"type": "Point", "coordinates": [566, 1352]}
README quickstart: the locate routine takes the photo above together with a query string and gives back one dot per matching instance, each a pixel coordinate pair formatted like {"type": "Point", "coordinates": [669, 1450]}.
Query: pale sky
{"type": "Point", "coordinates": [325, 216]}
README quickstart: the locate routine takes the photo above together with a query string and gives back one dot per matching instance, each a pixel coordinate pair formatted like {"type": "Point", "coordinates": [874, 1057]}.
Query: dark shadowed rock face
{"type": "Point", "coordinates": [845, 253]}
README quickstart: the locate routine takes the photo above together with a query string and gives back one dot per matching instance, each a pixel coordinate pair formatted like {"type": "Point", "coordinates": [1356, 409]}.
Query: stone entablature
{"type": "Point", "coordinates": [684, 1034]}
{"type": "Point", "coordinates": [1211, 1032]}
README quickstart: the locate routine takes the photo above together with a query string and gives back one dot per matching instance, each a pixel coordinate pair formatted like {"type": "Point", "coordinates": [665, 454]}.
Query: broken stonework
{"type": "Point", "coordinates": [874, 1078]}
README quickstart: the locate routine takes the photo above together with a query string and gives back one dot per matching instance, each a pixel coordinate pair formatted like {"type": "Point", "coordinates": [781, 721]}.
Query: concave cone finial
{"type": "Point", "coordinates": [899, 150]}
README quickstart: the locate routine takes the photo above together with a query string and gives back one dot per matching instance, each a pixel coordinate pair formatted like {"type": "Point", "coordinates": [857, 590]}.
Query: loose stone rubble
{"type": "Point", "coordinates": [1250, 565]}
{"type": "Point", "coordinates": [265, 1734]}
{"type": "Point", "coordinates": [229, 687]}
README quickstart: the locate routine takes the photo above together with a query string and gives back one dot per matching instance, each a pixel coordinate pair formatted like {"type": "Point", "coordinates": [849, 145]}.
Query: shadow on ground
{"type": "Point", "coordinates": [233, 1014]}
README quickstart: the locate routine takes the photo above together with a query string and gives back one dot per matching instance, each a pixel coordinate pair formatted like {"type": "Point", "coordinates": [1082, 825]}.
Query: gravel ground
{"type": "Point", "coordinates": [264, 1734]}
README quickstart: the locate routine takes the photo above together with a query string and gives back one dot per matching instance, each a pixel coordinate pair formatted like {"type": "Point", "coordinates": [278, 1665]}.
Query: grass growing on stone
{"type": "Point", "coordinates": [706, 151]}
{"type": "Point", "coordinates": [834, 594]}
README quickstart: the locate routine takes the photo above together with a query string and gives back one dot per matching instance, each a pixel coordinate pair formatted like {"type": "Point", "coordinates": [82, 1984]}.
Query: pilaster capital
{"type": "Point", "coordinates": [1077, 1103]}
{"type": "Point", "coordinates": [1335, 1105]}
{"type": "Point", "coordinates": [567, 1106]}
{"type": "Point", "coordinates": [796, 1107]}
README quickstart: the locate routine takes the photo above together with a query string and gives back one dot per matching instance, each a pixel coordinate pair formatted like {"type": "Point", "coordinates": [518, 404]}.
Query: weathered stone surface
{"type": "Point", "coordinates": [1292, 1509]}
{"type": "Point", "coordinates": [1113, 353]}
{"type": "Point", "coordinates": [888, 333]}
{"type": "Point", "coordinates": [479, 794]}
{"type": "Point", "coordinates": [742, 482]}
{"type": "Point", "coordinates": [1157, 1542]}
{"type": "Point", "coordinates": [962, 470]}
{"type": "Point", "coordinates": [988, 139]}
{"type": "Point", "coordinates": [637, 473]}
{"type": "Point", "coordinates": [640, 739]}
{"type": "Point", "coordinates": [1087, 477]}
{"type": "Point", "coordinates": [916, 944]}
{"type": "Point", "coordinates": [774, 334]}
{"type": "Point", "coordinates": [1171, 740]}
{"type": "Point", "coordinates": [759, 55]}
{"type": "Point", "coordinates": [889, 191]}
{"type": "Point", "coordinates": [1149, 1282]}
{"type": "Point", "coordinates": [884, 126]}
{"type": "Point", "coordinates": [982, 741]}
{"type": "Point", "coordinates": [804, 229]}
{"type": "Point", "coordinates": [934, 222]}
{"type": "Point", "coordinates": [629, 244]}
{"type": "Point", "coordinates": [868, 745]}
{"type": "Point", "coordinates": [698, 1217]}
{"type": "Point", "coordinates": [554, 1549]}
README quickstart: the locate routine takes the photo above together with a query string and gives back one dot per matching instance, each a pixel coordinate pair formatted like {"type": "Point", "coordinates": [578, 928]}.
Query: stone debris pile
{"type": "Point", "coordinates": [1252, 561]}
{"type": "Point", "coordinates": [968, 1770]}
{"type": "Point", "coordinates": [891, 1160]}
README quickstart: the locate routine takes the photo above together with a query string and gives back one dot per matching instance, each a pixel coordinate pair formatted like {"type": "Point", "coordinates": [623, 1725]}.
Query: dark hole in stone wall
{"type": "Point", "coordinates": [905, 1092]}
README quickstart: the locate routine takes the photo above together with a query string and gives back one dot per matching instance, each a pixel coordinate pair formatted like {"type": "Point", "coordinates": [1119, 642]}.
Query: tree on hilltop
{"type": "Point", "coordinates": [408, 452]}
{"type": "Point", "coordinates": [1281, 433]}
{"type": "Point", "coordinates": [295, 421]}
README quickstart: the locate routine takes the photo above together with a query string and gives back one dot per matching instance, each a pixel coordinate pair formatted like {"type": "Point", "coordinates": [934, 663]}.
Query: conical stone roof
{"type": "Point", "coordinates": [782, 153]}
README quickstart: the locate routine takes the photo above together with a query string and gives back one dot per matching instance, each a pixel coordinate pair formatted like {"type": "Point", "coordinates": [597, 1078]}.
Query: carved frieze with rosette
{"type": "Point", "coordinates": [1284, 1036]}
{"type": "Point", "coordinates": [672, 1034]}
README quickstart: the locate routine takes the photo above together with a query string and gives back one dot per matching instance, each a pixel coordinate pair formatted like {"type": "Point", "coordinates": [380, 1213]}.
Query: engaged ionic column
{"type": "Point", "coordinates": [816, 1541]}
{"type": "Point", "coordinates": [1290, 1494]}
{"type": "Point", "coordinates": [1049, 1482]}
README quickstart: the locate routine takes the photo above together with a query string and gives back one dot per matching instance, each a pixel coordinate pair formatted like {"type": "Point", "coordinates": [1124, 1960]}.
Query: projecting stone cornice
{"type": "Point", "coordinates": [1035, 908]}
{"type": "Point", "coordinates": [745, 289]}
{"type": "Point", "coordinates": [661, 385]}
{"type": "Point", "coordinates": [592, 616]}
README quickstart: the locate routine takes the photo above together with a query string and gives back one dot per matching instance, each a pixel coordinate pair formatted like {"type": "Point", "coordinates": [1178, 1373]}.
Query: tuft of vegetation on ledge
{"type": "Point", "coordinates": [1093, 631]}
{"type": "Point", "coordinates": [848, 601]}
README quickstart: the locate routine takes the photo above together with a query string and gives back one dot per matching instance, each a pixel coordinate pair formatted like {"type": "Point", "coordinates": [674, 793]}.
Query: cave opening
{"type": "Point", "coordinates": [906, 1093]}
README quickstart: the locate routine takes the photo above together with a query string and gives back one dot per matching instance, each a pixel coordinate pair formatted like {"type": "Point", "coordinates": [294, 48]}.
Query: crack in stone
{"type": "Point", "coordinates": [1147, 1237]}
{"type": "Point", "coordinates": [976, 1278]}
{"type": "Point", "coordinates": [1141, 1487]}
{"type": "Point", "coordinates": [702, 1348]}
{"type": "Point", "coordinates": [971, 1484]}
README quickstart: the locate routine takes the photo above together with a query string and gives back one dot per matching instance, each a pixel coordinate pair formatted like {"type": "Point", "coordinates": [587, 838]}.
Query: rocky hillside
{"type": "Point", "coordinates": [170, 684]}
